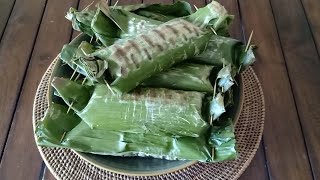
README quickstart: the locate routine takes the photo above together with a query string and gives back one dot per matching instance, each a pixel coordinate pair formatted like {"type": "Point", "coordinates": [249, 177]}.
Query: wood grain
{"type": "Point", "coordinates": [311, 8]}
{"type": "Point", "coordinates": [21, 159]}
{"type": "Point", "coordinates": [285, 150]}
{"type": "Point", "coordinates": [235, 28]}
{"type": "Point", "coordinates": [47, 175]}
{"type": "Point", "coordinates": [15, 49]}
{"type": "Point", "coordinates": [5, 10]}
{"type": "Point", "coordinates": [303, 65]}
{"type": "Point", "coordinates": [257, 168]}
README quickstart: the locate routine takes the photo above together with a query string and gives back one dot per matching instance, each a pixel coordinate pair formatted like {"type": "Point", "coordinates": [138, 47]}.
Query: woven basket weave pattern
{"type": "Point", "coordinates": [65, 164]}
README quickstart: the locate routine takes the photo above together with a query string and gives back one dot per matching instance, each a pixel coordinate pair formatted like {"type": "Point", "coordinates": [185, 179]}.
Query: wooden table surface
{"type": "Point", "coordinates": [287, 32]}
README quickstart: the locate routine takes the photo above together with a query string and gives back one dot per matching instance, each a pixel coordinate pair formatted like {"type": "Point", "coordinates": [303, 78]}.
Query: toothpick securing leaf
{"type": "Point", "coordinates": [63, 135]}
{"type": "Point", "coordinates": [212, 153]}
{"type": "Point", "coordinates": [91, 39]}
{"type": "Point", "coordinates": [195, 7]}
{"type": "Point", "coordinates": [74, 72]}
{"type": "Point", "coordinates": [214, 88]}
{"type": "Point", "coordinates": [70, 107]}
{"type": "Point", "coordinates": [213, 31]}
{"type": "Point", "coordinates": [84, 80]}
{"type": "Point", "coordinates": [236, 82]}
{"type": "Point", "coordinates": [86, 8]}
{"type": "Point", "coordinates": [239, 69]}
{"type": "Point", "coordinates": [105, 9]}
{"type": "Point", "coordinates": [115, 4]}
{"type": "Point", "coordinates": [109, 87]}
{"type": "Point", "coordinates": [249, 41]}
{"type": "Point", "coordinates": [77, 77]}
{"type": "Point", "coordinates": [211, 119]}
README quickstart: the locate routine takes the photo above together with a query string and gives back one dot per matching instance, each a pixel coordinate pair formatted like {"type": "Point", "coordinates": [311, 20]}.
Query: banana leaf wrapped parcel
{"type": "Point", "coordinates": [153, 80]}
{"type": "Point", "coordinates": [55, 131]}
{"type": "Point", "coordinates": [143, 110]}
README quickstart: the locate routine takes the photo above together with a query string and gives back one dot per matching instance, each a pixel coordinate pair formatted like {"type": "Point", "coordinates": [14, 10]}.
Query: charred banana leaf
{"type": "Point", "coordinates": [138, 58]}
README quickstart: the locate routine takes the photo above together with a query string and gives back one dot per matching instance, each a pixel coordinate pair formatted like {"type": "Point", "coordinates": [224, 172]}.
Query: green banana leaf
{"type": "Point", "coordinates": [217, 107]}
{"type": "Point", "coordinates": [102, 117]}
{"type": "Point", "coordinates": [93, 69]}
{"type": "Point", "coordinates": [138, 58]}
{"type": "Point", "coordinates": [220, 51]}
{"type": "Point", "coordinates": [213, 15]}
{"type": "Point", "coordinates": [223, 141]}
{"type": "Point", "coordinates": [247, 58]}
{"type": "Point", "coordinates": [225, 80]}
{"type": "Point", "coordinates": [146, 110]}
{"type": "Point", "coordinates": [129, 24]}
{"type": "Point", "coordinates": [177, 9]}
{"type": "Point", "coordinates": [110, 24]}
{"type": "Point", "coordinates": [129, 69]}
{"type": "Point", "coordinates": [61, 129]}
{"type": "Point", "coordinates": [155, 16]}
{"type": "Point", "coordinates": [73, 93]}
{"type": "Point", "coordinates": [160, 12]}
{"type": "Point", "coordinates": [186, 76]}
{"type": "Point", "coordinates": [56, 122]}
{"type": "Point", "coordinates": [81, 21]}
{"type": "Point", "coordinates": [95, 22]}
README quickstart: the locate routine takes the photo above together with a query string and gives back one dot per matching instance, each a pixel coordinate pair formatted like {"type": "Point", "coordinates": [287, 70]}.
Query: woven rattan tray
{"type": "Point", "coordinates": [65, 164]}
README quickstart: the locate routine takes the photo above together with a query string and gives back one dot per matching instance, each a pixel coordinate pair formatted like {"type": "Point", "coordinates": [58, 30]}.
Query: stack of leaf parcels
{"type": "Point", "coordinates": [147, 80]}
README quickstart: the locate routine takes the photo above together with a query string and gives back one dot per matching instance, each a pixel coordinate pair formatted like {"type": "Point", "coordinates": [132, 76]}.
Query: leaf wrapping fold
{"type": "Point", "coordinates": [186, 76]}
{"type": "Point", "coordinates": [61, 129]}
{"type": "Point", "coordinates": [144, 110]}
{"type": "Point", "coordinates": [223, 141]}
{"type": "Point", "coordinates": [138, 58]}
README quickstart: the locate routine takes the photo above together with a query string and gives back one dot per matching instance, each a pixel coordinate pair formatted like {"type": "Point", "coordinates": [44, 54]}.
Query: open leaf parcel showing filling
{"type": "Point", "coordinates": [147, 80]}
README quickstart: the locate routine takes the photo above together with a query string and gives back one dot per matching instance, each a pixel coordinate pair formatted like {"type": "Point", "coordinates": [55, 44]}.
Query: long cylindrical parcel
{"type": "Point", "coordinates": [145, 110]}
{"type": "Point", "coordinates": [138, 58]}
{"type": "Point", "coordinates": [66, 130]}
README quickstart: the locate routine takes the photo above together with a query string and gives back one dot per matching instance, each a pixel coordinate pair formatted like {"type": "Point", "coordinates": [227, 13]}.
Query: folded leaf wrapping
{"type": "Point", "coordinates": [223, 141]}
{"type": "Point", "coordinates": [145, 17]}
{"type": "Point", "coordinates": [175, 10]}
{"type": "Point", "coordinates": [137, 59]}
{"type": "Point", "coordinates": [61, 129]}
{"type": "Point", "coordinates": [145, 110]}
{"type": "Point", "coordinates": [186, 76]}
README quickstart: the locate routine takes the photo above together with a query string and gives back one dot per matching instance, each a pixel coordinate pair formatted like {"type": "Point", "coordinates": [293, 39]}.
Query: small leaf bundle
{"type": "Point", "coordinates": [156, 81]}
